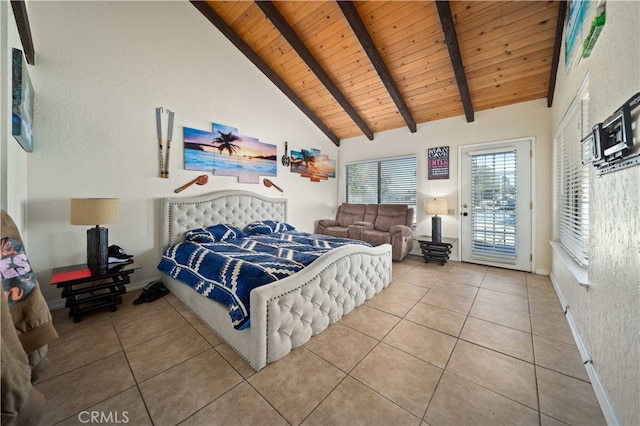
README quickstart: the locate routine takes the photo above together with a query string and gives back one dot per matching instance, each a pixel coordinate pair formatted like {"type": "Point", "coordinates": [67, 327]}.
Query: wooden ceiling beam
{"type": "Point", "coordinates": [354, 19]}
{"type": "Point", "coordinates": [562, 10]}
{"type": "Point", "coordinates": [234, 38]}
{"type": "Point", "coordinates": [451, 39]}
{"type": "Point", "coordinates": [24, 30]}
{"type": "Point", "coordinates": [292, 38]}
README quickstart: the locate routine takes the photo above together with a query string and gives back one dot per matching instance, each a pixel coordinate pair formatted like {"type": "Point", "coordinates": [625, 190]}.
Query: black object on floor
{"type": "Point", "coordinates": [152, 291]}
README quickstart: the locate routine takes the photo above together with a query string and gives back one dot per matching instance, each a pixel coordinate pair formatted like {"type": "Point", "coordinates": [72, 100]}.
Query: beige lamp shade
{"type": "Point", "coordinates": [94, 211]}
{"type": "Point", "coordinates": [435, 206]}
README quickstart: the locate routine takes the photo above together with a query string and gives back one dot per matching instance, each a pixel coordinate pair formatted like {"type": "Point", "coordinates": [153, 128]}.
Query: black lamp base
{"type": "Point", "coordinates": [97, 247]}
{"type": "Point", "coordinates": [436, 234]}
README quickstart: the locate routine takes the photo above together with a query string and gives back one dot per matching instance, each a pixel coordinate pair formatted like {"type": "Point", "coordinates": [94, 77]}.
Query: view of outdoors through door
{"type": "Point", "coordinates": [493, 197]}
{"type": "Point", "coordinates": [496, 196]}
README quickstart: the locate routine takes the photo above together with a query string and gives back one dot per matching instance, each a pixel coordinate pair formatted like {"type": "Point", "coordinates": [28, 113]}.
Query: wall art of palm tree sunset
{"type": "Point", "coordinates": [224, 152]}
{"type": "Point", "coordinates": [313, 164]}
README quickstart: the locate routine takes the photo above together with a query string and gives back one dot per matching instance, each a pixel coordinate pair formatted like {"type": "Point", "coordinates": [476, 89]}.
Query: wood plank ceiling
{"type": "Point", "coordinates": [364, 67]}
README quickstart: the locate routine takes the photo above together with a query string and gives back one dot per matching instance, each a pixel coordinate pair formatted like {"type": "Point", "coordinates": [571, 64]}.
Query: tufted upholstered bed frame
{"type": "Point", "coordinates": [286, 313]}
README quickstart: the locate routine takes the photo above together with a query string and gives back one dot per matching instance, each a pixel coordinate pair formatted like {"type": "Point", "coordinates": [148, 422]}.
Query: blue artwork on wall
{"type": "Point", "coordinates": [22, 105]}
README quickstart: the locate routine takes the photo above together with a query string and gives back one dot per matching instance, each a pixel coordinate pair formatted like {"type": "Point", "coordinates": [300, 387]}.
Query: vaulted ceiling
{"type": "Point", "coordinates": [358, 68]}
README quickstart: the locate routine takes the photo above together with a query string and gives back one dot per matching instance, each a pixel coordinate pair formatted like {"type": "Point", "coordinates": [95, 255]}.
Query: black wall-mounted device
{"type": "Point", "coordinates": [608, 147]}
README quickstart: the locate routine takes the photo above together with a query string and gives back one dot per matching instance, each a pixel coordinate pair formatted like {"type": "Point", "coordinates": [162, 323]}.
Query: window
{"type": "Point", "coordinates": [388, 181]}
{"type": "Point", "coordinates": [572, 179]}
{"type": "Point", "coordinates": [494, 195]}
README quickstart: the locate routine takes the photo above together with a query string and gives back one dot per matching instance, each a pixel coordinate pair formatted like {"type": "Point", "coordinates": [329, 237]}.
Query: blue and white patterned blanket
{"type": "Point", "coordinates": [228, 270]}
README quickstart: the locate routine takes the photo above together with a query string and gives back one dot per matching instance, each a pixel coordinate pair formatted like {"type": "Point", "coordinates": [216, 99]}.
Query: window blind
{"type": "Point", "coordinates": [572, 180]}
{"type": "Point", "coordinates": [362, 183]}
{"type": "Point", "coordinates": [387, 181]}
{"type": "Point", "coordinates": [494, 200]}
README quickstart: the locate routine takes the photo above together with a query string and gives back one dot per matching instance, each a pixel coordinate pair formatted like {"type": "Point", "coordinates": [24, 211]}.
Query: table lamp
{"type": "Point", "coordinates": [435, 207]}
{"type": "Point", "coordinates": [96, 211]}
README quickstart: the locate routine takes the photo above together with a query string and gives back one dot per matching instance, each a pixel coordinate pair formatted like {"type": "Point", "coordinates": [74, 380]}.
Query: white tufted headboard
{"type": "Point", "coordinates": [239, 208]}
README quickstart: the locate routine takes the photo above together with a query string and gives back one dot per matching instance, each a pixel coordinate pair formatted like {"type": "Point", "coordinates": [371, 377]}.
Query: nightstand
{"type": "Point", "coordinates": [87, 290]}
{"type": "Point", "coordinates": [435, 251]}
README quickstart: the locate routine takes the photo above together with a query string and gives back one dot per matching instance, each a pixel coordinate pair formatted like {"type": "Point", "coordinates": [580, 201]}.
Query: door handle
{"type": "Point", "coordinates": [465, 214]}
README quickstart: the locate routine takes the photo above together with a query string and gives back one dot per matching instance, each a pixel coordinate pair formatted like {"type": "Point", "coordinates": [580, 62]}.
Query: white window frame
{"type": "Point", "coordinates": [411, 201]}
{"type": "Point", "coordinates": [571, 186]}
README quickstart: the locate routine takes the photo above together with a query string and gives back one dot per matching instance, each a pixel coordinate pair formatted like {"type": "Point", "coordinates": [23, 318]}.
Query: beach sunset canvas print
{"type": "Point", "coordinates": [224, 152]}
{"type": "Point", "coordinates": [313, 164]}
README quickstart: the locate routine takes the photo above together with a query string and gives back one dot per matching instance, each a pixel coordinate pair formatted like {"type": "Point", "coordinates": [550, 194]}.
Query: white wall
{"type": "Point", "coordinates": [101, 70]}
{"type": "Point", "coordinates": [606, 315]}
{"type": "Point", "coordinates": [529, 119]}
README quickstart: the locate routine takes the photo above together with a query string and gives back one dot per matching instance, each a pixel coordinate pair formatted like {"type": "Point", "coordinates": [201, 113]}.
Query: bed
{"type": "Point", "coordinates": [286, 313]}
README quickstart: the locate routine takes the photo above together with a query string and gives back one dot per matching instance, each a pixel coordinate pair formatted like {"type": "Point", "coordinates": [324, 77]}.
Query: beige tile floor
{"type": "Point", "coordinates": [458, 344]}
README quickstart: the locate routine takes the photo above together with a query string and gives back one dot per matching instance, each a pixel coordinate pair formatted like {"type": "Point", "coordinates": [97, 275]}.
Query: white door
{"type": "Point", "coordinates": [495, 204]}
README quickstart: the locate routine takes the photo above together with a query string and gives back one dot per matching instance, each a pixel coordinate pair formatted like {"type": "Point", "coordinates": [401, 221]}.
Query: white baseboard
{"type": "Point", "coordinates": [601, 395]}
{"type": "Point", "coordinates": [545, 272]}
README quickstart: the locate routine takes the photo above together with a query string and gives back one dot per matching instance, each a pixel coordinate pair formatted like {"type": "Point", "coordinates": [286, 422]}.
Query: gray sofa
{"type": "Point", "coordinates": [376, 224]}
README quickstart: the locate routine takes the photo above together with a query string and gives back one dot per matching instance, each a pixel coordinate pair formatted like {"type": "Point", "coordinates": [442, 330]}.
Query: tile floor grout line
{"type": "Point", "coordinates": [410, 269]}
{"type": "Point", "coordinates": [214, 400]}
{"type": "Point", "coordinates": [535, 364]}
{"type": "Point", "coordinates": [135, 380]}
{"type": "Point", "coordinates": [458, 339]}
{"type": "Point", "coordinates": [377, 392]}
{"type": "Point", "coordinates": [97, 403]}
{"type": "Point", "coordinates": [266, 400]}
{"type": "Point", "coordinates": [444, 368]}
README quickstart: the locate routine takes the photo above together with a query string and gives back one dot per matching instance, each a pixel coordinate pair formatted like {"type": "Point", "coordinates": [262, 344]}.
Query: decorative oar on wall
{"type": "Point", "coordinates": [164, 162]}
{"type": "Point", "coordinates": [200, 180]}
{"type": "Point", "coordinates": [269, 184]}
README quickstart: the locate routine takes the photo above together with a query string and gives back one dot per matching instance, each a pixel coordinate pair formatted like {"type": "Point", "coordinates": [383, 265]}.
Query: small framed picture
{"type": "Point", "coordinates": [438, 163]}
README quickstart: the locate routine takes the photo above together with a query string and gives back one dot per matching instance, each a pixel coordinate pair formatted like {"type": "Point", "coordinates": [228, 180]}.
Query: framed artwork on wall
{"type": "Point", "coordinates": [22, 104]}
{"type": "Point", "coordinates": [224, 152]}
{"type": "Point", "coordinates": [438, 163]}
{"type": "Point", "coordinates": [577, 13]}
{"type": "Point", "coordinates": [312, 164]}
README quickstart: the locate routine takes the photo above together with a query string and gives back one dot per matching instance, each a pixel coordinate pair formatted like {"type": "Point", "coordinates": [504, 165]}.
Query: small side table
{"type": "Point", "coordinates": [435, 251]}
{"type": "Point", "coordinates": [87, 289]}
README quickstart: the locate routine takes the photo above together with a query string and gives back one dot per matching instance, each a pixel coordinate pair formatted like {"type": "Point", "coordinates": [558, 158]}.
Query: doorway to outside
{"type": "Point", "coordinates": [495, 204]}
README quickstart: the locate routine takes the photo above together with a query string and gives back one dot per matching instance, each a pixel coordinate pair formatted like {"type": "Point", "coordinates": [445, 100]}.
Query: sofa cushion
{"type": "Point", "coordinates": [390, 215]}
{"type": "Point", "coordinates": [336, 231]}
{"type": "Point", "coordinates": [350, 214]}
{"type": "Point", "coordinates": [376, 237]}
{"type": "Point", "coordinates": [371, 213]}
